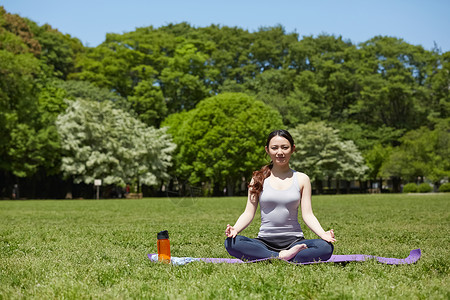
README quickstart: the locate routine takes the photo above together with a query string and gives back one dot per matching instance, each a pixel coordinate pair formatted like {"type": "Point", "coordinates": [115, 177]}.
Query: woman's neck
{"type": "Point", "coordinates": [281, 171]}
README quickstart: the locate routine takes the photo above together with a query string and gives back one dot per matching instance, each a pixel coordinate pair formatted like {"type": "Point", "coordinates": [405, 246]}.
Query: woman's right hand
{"type": "Point", "coordinates": [230, 231]}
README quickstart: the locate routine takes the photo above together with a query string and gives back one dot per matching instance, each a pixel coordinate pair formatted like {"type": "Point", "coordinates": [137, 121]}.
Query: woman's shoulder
{"type": "Point", "coordinates": [302, 177]}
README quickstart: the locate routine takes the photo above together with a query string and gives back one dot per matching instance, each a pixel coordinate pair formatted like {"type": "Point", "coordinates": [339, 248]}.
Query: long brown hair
{"type": "Point", "coordinates": [255, 187]}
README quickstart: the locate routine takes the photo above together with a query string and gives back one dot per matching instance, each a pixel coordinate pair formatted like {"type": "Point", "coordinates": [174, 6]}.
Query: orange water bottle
{"type": "Point", "coordinates": [163, 245]}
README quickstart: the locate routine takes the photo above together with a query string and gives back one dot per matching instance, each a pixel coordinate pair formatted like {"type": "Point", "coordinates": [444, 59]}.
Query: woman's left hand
{"type": "Point", "coordinates": [230, 231]}
{"type": "Point", "coordinates": [329, 236]}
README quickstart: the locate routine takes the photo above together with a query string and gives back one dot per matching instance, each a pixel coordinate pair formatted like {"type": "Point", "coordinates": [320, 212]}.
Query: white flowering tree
{"type": "Point", "coordinates": [322, 154]}
{"type": "Point", "coordinates": [103, 142]}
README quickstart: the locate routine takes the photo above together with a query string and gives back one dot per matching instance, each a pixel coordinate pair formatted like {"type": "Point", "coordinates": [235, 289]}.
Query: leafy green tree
{"type": "Point", "coordinates": [155, 46]}
{"type": "Point", "coordinates": [423, 153]}
{"type": "Point", "coordinates": [222, 139]}
{"type": "Point", "coordinates": [33, 145]}
{"type": "Point", "coordinates": [307, 101]}
{"type": "Point", "coordinates": [16, 36]}
{"type": "Point", "coordinates": [33, 149]}
{"type": "Point", "coordinates": [112, 66]}
{"type": "Point", "coordinates": [181, 80]}
{"type": "Point", "coordinates": [85, 90]}
{"type": "Point", "coordinates": [51, 102]}
{"type": "Point", "coordinates": [270, 47]}
{"type": "Point", "coordinates": [391, 74]}
{"type": "Point", "coordinates": [375, 145]}
{"type": "Point", "coordinates": [103, 142]}
{"type": "Point", "coordinates": [366, 137]}
{"type": "Point", "coordinates": [326, 86]}
{"type": "Point", "coordinates": [375, 158]}
{"type": "Point", "coordinates": [230, 57]}
{"type": "Point", "coordinates": [149, 103]}
{"type": "Point", "coordinates": [58, 51]}
{"type": "Point", "coordinates": [29, 104]}
{"type": "Point", "coordinates": [273, 87]}
{"type": "Point", "coordinates": [439, 81]}
{"type": "Point", "coordinates": [321, 154]}
{"type": "Point", "coordinates": [18, 95]}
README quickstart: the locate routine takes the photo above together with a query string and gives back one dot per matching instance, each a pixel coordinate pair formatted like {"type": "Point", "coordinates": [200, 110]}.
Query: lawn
{"type": "Point", "coordinates": [81, 249]}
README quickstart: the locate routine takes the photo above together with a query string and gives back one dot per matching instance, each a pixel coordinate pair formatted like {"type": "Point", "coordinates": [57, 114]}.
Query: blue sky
{"type": "Point", "coordinates": [417, 22]}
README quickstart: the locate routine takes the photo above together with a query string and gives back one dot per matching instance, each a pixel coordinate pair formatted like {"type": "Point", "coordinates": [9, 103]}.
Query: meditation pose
{"type": "Point", "coordinates": [280, 191]}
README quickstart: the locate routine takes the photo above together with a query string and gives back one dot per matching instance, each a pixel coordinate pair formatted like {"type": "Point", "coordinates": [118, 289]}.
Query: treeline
{"type": "Point", "coordinates": [390, 99]}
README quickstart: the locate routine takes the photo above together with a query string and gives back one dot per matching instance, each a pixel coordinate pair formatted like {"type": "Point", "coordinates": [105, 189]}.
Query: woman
{"type": "Point", "coordinates": [280, 191]}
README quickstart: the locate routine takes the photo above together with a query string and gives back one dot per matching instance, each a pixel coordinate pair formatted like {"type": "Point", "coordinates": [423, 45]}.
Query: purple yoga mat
{"type": "Point", "coordinates": [414, 256]}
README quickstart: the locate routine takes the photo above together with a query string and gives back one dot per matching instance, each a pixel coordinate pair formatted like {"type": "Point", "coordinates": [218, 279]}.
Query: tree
{"type": "Point", "coordinates": [103, 142]}
{"type": "Point", "coordinates": [321, 154]}
{"type": "Point", "coordinates": [423, 153]}
{"type": "Point", "coordinates": [222, 140]}
{"type": "Point", "coordinates": [375, 158]}
{"type": "Point", "coordinates": [307, 101]}
{"type": "Point", "coordinates": [58, 51]}
{"type": "Point", "coordinates": [148, 102]}
{"type": "Point", "coordinates": [391, 75]}
{"type": "Point", "coordinates": [16, 35]}
{"type": "Point", "coordinates": [182, 79]}
{"type": "Point", "coordinates": [113, 66]}
{"type": "Point", "coordinates": [21, 35]}
{"type": "Point", "coordinates": [230, 58]}
{"type": "Point", "coordinates": [18, 100]}
{"type": "Point", "coordinates": [32, 149]}
{"type": "Point", "coordinates": [272, 87]}
{"type": "Point", "coordinates": [326, 85]}
{"type": "Point", "coordinates": [270, 47]}
{"type": "Point", "coordinates": [29, 103]}
{"type": "Point", "coordinates": [88, 91]}
{"type": "Point", "coordinates": [439, 83]}
{"type": "Point", "coordinates": [375, 144]}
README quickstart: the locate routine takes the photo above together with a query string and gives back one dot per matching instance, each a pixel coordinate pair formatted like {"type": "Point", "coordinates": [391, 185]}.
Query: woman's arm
{"type": "Point", "coordinates": [245, 219]}
{"type": "Point", "coordinates": [307, 212]}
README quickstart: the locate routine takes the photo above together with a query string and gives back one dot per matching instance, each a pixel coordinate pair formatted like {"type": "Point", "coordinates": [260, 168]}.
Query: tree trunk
{"type": "Point", "coordinates": [396, 184]}
{"type": "Point", "coordinates": [230, 188]}
{"type": "Point", "coordinates": [338, 183]}
{"type": "Point", "coordinates": [361, 186]}
{"type": "Point", "coordinates": [319, 187]}
{"type": "Point", "coordinates": [216, 189]}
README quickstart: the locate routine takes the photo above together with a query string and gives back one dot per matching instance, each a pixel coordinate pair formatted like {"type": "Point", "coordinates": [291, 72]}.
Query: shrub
{"type": "Point", "coordinates": [424, 188]}
{"type": "Point", "coordinates": [445, 188]}
{"type": "Point", "coordinates": [410, 188]}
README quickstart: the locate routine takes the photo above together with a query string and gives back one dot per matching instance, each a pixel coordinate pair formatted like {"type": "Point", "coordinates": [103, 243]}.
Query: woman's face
{"type": "Point", "coordinates": [280, 150]}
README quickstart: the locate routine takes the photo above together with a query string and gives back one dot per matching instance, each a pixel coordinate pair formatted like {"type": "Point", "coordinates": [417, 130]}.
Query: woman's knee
{"type": "Point", "coordinates": [322, 244]}
{"type": "Point", "coordinates": [235, 247]}
{"type": "Point", "coordinates": [318, 249]}
{"type": "Point", "coordinates": [323, 249]}
{"type": "Point", "coordinates": [326, 249]}
{"type": "Point", "coordinates": [326, 246]}
{"type": "Point", "coordinates": [230, 243]}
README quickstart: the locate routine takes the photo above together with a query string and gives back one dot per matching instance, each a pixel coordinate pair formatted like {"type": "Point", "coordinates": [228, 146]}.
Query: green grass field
{"type": "Point", "coordinates": [81, 249]}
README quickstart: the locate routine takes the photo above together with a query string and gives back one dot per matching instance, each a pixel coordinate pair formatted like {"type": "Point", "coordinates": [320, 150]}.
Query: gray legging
{"type": "Point", "coordinates": [246, 248]}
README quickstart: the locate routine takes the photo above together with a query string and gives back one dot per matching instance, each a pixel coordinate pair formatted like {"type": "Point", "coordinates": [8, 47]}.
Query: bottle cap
{"type": "Point", "coordinates": [163, 235]}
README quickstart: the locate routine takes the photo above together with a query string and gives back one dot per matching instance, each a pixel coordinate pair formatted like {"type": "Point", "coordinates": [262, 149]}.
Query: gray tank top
{"type": "Point", "coordinates": [279, 210]}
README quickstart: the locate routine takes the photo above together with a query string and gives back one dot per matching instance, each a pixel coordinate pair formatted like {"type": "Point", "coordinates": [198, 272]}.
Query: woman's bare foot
{"type": "Point", "coordinates": [288, 254]}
